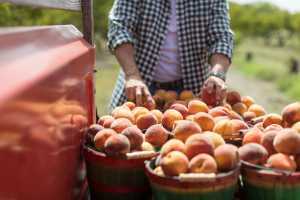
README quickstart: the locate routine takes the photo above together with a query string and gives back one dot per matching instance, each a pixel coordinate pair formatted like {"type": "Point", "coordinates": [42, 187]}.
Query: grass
{"type": "Point", "coordinates": [269, 63]}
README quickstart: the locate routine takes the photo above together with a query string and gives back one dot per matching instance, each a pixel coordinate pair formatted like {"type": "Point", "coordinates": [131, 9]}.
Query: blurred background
{"type": "Point", "coordinates": [267, 53]}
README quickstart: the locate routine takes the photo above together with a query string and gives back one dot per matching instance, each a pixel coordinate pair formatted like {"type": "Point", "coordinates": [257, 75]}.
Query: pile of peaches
{"type": "Point", "coordinates": [189, 133]}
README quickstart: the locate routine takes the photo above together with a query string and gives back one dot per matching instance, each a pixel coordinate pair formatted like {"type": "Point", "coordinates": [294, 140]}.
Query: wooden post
{"type": "Point", "coordinates": [88, 20]}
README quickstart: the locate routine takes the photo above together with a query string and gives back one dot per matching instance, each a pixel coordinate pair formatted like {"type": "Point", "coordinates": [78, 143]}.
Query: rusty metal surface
{"type": "Point", "coordinates": [46, 100]}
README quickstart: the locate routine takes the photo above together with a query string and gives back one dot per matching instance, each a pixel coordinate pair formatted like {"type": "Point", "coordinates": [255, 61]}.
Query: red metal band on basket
{"type": "Point", "coordinates": [99, 187]}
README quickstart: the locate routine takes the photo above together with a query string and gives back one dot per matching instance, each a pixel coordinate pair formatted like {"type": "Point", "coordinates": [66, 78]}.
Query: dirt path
{"type": "Point", "coordinates": [265, 93]}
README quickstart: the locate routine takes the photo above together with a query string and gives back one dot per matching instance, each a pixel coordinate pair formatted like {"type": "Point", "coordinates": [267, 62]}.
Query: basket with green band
{"type": "Point", "coordinates": [261, 183]}
{"type": "Point", "coordinates": [219, 187]}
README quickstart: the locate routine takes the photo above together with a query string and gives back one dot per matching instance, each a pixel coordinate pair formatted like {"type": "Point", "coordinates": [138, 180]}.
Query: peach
{"type": "Point", "coordinates": [228, 106]}
{"type": "Point", "coordinates": [254, 135]}
{"type": "Point", "coordinates": [291, 114]}
{"type": "Point", "coordinates": [233, 97]}
{"type": "Point", "coordinates": [159, 101]}
{"type": "Point", "coordinates": [197, 144]}
{"type": "Point", "coordinates": [135, 136]}
{"type": "Point", "coordinates": [137, 111]}
{"type": "Point", "coordinates": [257, 109]}
{"type": "Point", "coordinates": [145, 121]}
{"type": "Point", "coordinates": [216, 139]}
{"type": "Point", "coordinates": [172, 145]}
{"type": "Point", "coordinates": [282, 162]}
{"type": "Point", "coordinates": [94, 129]}
{"type": "Point", "coordinates": [158, 114]}
{"type": "Point", "coordinates": [234, 115]}
{"type": "Point", "coordinates": [156, 135]}
{"type": "Point", "coordinates": [170, 96]}
{"type": "Point", "coordinates": [129, 104]}
{"type": "Point", "coordinates": [224, 127]}
{"type": "Point", "coordinates": [186, 95]}
{"type": "Point", "coordinates": [123, 112]}
{"type": "Point", "coordinates": [203, 163]}
{"type": "Point", "coordinates": [272, 119]}
{"type": "Point", "coordinates": [105, 118]}
{"type": "Point", "coordinates": [240, 108]}
{"type": "Point", "coordinates": [190, 117]}
{"type": "Point", "coordinates": [117, 145]}
{"type": "Point", "coordinates": [120, 124]}
{"type": "Point", "coordinates": [146, 146]}
{"type": "Point", "coordinates": [248, 116]}
{"type": "Point", "coordinates": [158, 171]}
{"type": "Point", "coordinates": [195, 106]}
{"type": "Point", "coordinates": [150, 105]}
{"type": "Point", "coordinates": [101, 137]}
{"type": "Point", "coordinates": [209, 98]}
{"type": "Point", "coordinates": [267, 141]}
{"type": "Point", "coordinates": [169, 118]}
{"type": "Point", "coordinates": [273, 127]}
{"type": "Point", "coordinates": [161, 93]}
{"type": "Point", "coordinates": [248, 101]}
{"type": "Point", "coordinates": [238, 125]}
{"type": "Point", "coordinates": [174, 163]}
{"type": "Point", "coordinates": [253, 153]}
{"type": "Point", "coordinates": [227, 157]}
{"type": "Point", "coordinates": [205, 121]}
{"type": "Point", "coordinates": [184, 129]}
{"type": "Point", "coordinates": [219, 111]}
{"type": "Point", "coordinates": [297, 160]}
{"type": "Point", "coordinates": [217, 119]}
{"type": "Point", "coordinates": [287, 141]}
{"type": "Point", "coordinates": [259, 126]}
{"type": "Point", "coordinates": [180, 108]}
{"type": "Point", "coordinates": [296, 126]}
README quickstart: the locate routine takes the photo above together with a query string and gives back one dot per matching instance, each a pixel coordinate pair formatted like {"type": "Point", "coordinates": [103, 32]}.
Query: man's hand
{"type": "Point", "coordinates": [137, 91]}
{"type": "Point", "coordinates": [215, 85]}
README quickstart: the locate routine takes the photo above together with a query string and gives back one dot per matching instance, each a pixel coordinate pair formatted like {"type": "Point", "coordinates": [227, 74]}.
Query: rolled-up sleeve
{"type": "Point", "coordinates": [122, 23]}
{"type": "Point", "coordinates": [220, 35]}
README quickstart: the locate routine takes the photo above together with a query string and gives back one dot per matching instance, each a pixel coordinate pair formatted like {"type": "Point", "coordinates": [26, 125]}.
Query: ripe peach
{"type": "Point", "coordinates": [174, 163]}
{"type": "Point", "coordinates": [94, 129]}
{"type": "Point", "coordinates": [291, 114]}
{"type": "Point", "coordinates": [150, 105]}
{"type": "Point", "coordinates": [272, 119]}
{"type": "Point", "coordinates": [219, 111]}
{"type": "Point", "coordinates": [180, 108]}
{"type": "Point", "coordinates": [209, 98]}
{"type": "Point", "coordinates": [240, 108]}
{"type": "Point", "coordinates": [169, 118]}
{"type": "Point", "coordinates": [238, 125]}
{"type": "Point", "coordinates": [135, 136]}
{"type": "Point", "coordinates": [186, 95]}
{"type": "Point", "coordinates": [234, 115]}
{"type": "Point", "coordinates": [203, 163]}
{"type": "Point", "coordinates": [160, 93]}
{"type": "Point", "coordinates": [190, 117]}
{"type": "Point", "coordinates": [195, 106]}
{"type": "Point", "coordinates": [257, 109]}
{"type": "Point", "coordinates": [233, 97]}
{"type": "Point", "coordinates": [254, 135]}
{"type": "Point", "coordinates": [287, 141]}
{"type": "Point", "coordinates": [171, 96]}
{"type": "Point", "coordinates": [224, 127]}
{"type": "Point", "coordinates": [130, 105]}
{"type": "Point", "coordinates": [146, 146]}
{"type": "Point", "coordinates": [184, 129]}
{"type": "Point", "coordinates": [273, 127]}
{"type": "Point", "coordinates": [137, 111]}
{"type": "Point", "coordinates": [101, 137]}
{"type": "Point", "coordinates": [120, 124]}
{"type": "Point", "coordinates": [159, 101]}
{"type": "Point", "coordinates": [158, 114]}
{"type": "Point", "coordinates": [123, 112]}
{"type": "Point", "coordinates": [145, 121]}
{"type": "Point", "coordinates": [248, 101]}
{"type": "Point", "coordinates": [248, 116]}
{"type": "Point", "coordinates": [198, 143]}
{"type": "Point", "coordinates": [205, 121]}
{"type": "Point", "coordinates": [282, 162]}
{"type": "Point", "coordinates": [267, 141]}
{"type": "Point", "coordinates": [216, 139]}
{"type": "Point", "coordinates": [117, 145]}
{"type": "Point", "coordinates": [217, 119]}
{"type": "Point", "coordinates": [156, 135]}
{"type": "Point", "coordinates": [259, 126]}
{"type": "Point", "coordinates": [228, 106]}
{"type": "Point", "coordinates": [296, 126]}
{"type": "Point", "coordinates": [158, 171]}
{"type": "Point", "coordinates": [253, 153]}
{"type": "Point", "coordinates": [105, 118]}
{"type": "Point", "coordinates": [172, 145]}
{"type": "Point", "coordinates": [227, 157]}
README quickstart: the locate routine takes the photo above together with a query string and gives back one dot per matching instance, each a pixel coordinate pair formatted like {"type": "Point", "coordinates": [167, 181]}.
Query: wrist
{"type": "Point", "coordinates": [132, 74]}
{"type": "Point", "coordinates": [219, 74]}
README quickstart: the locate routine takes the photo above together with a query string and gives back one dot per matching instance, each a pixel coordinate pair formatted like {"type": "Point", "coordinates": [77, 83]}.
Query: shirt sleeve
{"type": "Point", "coordinates": [220, 36]}
{"type": "Point", "coordinates": [122, 23]}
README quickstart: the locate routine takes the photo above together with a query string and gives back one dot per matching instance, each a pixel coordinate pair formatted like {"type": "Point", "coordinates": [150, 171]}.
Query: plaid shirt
{"type": "Point", "coordinates": [203, 30]}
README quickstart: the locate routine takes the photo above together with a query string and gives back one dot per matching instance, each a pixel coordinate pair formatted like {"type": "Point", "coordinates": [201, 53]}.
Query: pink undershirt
{"type": "Point", "coordinates": [168, 68]}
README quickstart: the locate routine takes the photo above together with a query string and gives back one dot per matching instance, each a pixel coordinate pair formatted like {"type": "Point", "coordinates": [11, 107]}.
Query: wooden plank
{"type": "Point", "coordinates": [88, 20]}
{"type": "Point", "coordinates": [59, 4]}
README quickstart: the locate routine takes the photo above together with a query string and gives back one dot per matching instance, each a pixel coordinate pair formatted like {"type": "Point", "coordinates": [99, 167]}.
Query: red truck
{"type": "Point", "coordinates": [46, 102]}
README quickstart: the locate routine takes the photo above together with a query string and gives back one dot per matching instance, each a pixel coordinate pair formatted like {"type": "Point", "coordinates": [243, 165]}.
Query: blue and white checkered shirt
{"type": "Point", "coordinates": [203, 30]}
